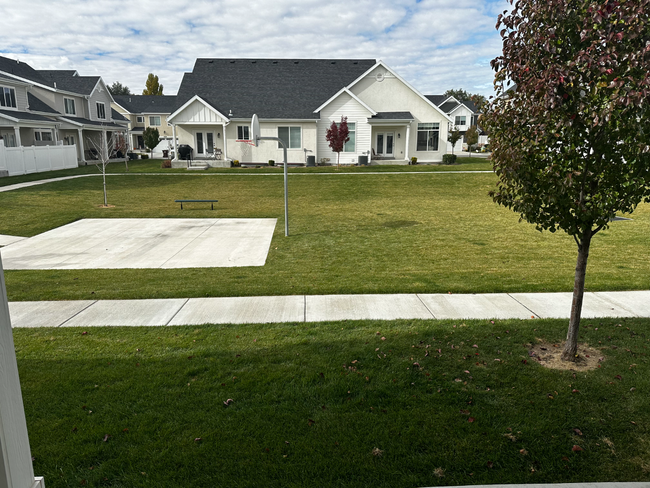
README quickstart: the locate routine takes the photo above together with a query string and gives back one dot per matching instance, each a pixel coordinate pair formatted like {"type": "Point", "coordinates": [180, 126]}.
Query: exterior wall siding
{"type": "Point", "coordinates": [100, 96]}
{"type": "Point", "coordinates": [344, 106]}
{"type": "Point", "coordinates": [21, 95]}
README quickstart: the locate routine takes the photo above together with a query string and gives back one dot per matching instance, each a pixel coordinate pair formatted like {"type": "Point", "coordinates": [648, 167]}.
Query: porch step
{"type": "Point", "coordinates": [198, 166]}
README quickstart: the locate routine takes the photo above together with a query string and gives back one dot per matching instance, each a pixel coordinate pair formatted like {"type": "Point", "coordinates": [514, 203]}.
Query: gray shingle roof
{"type": "Point", "coordinates": [38, 105]}
{"type": "Point", "coordinates": [118, 117]}
{"type": "Point", "coordinates": [271, 88]}
{"type": "Point", "coordinates": [68, 80]}
{"type": "Point", "coordinates": [470, 105]}
{"type": "Point", "coordinates": [436, 99]}
{"type": "Point", "coordinates": [81, 120]}
{"type": "Point", "coordinates": [26, 116]}
{"type": "Point", "coordinates": [449, 106]}
{"type": "Point", "coordinates": [393, 116]}
{"type": "Point", "coordinates": [20, 69]}
{"type": "Point", "coordinates": [139, 104]}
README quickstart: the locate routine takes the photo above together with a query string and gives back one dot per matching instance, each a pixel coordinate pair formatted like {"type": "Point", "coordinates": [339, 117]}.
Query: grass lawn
{"type": "Point", "coordinates": [350, 233]}
{"type": "Point", "coordinates": [333, 404]}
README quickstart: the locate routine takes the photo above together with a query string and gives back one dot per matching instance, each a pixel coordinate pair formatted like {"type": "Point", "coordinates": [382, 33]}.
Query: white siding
{"type": "Point", "coordinates": [100, 96]}
{"type": "Point", "coordinates": [344, 106]}
{"type": "Point", "coordinates": [392, 95]}
{"type": "Point", "coordinates": [197, 112]}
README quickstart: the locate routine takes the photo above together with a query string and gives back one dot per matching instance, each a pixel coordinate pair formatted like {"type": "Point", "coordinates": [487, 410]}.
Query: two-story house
{"type": "Point", "coordinates": [43, 107]}
{"type": "Point", "coordinates": [464, 114]}
{"type": "Point", "coordinates": [143, 111]}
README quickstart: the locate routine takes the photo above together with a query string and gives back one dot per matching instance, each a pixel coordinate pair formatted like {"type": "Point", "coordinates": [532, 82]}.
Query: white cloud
{"type": "Point", "coordinates": [433, 44]}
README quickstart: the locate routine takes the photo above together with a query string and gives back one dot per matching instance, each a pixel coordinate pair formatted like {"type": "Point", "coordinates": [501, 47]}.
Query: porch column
{"type": "Point", "coordinates": [225, 142]}
{"type": "Point", "coordinates": [16, 468]}
{"type": "Point", "coordinates": [17, 132]}
{"type": "Point", "coordinates": [408, 140]}
{"type": "Point", "coordinates": [82, 151]}
{"type": "Point", "coordinates": [175, 145]}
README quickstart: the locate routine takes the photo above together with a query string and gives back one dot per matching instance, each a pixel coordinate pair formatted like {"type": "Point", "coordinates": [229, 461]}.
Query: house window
{"type": "Point", "coordinates": [428, 135]}
{"type": "Point", "coordinates": [140, 119]}
{"type": "Point", "coordinates": [291, 136]}
{"type": "Point", "coordinates": [101, 111]}
{"type": "Point", "coordinates": [69, 106]}
{"type": "Point", "coordinates": [243, 133]}
{"type": "Point", "coordinates": [461, 120]}
{"type": "Point", "coordinates": [43, 135]}
{"type": "Point", "coordinates": [7, 97]}
{"type": "Point", "coordinates": [351, 146]}
{"type": "Point", "coordinates": [154, 120]}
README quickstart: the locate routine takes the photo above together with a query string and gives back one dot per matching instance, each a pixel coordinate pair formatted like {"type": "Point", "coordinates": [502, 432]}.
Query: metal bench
{"type": "Point", "coordinates": [207, 201]}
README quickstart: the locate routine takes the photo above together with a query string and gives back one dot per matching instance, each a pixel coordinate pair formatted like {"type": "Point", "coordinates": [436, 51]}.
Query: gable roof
{"type": "Point", "coordinates": [271, 88]}
{"type": "Point", "coordinates": [69, 80]}
{"type": "Point", "coordinates": [117, 117]}
{"type": "Point", "coordinates": [20, 70]}
{"type": "Point", "coordinates": [142, 104]}
{"type": "Point", "coordinates": [436, 99]}
{"type": "Point", "coordinates": [449, 106]}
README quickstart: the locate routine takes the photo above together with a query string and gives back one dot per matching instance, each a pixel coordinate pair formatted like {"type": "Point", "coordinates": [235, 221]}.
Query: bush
{"type": "Point", "coordinates": [449, 159]}
{"type": "Point", "coordinates": [144, 156]}
{"type": "Point", "coordinates": [414, 160]}
{"type": "Point", "coordinates": [167, 163]}
{"type": "Point", "coordinates": [271, 162]}
{"type": "Point", "coordinates": [235, 163]}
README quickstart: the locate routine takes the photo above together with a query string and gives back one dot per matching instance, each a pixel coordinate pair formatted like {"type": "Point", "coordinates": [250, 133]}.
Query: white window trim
{"type": "Point", "coordinates": [103, 105]}
{"type": "Point", "coordinates": [245, 128]}
{"type": "Point", "coordinates": [3, 104]}
{"type": "Point", "coordinates": [139, 119]}
{"type": "Point", "coordinates": [73, 105]}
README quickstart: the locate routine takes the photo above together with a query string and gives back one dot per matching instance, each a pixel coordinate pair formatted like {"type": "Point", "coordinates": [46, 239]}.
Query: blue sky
{"type": "Point", "coordinates": [434, 44]}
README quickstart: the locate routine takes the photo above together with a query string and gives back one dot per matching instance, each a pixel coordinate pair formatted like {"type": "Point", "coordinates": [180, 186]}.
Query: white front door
{"type": "Point", "coordinates": [204, 143]}
{"type": "Point", "coordinates": [385, 144]}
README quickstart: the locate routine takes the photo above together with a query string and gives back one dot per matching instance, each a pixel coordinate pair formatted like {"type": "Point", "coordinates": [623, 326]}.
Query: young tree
{"type": "Point", "coordinates": [453, 137]}
{"type": "Point", "coordinates": [571, 144]}
{"type": "Point", "coordinates": [107, 150]}
{"type": "Point", "coordinates": [471, 138]}
{"type": "Point", "coordinates": [151, 138]}
{"type": "Point", "coordinates": [152, 86]}
{"type": "Point", "coordinates": [118, 88]}
{"type": "Point", "coordinates": [337, 135]}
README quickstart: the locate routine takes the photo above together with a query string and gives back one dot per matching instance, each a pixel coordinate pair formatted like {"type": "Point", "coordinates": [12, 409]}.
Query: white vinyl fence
{"type": "Point", "coordinates": [35, 159]}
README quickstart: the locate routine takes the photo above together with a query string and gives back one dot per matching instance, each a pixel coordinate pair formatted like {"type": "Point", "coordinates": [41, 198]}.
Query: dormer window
{"type": "Point", "coordinates": [101, 111]}
{"type": "Point", "coordinates": [68, 104]}
{"type": "Point", "coordinates": [7, 97]}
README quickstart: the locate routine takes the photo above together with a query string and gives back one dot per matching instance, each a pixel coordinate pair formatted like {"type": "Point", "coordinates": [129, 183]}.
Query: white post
{"type": "Point", "coordinates": [225, 142]}
{"type": "Point", "coordinates": [17, 132]}
{"type": "Point", "coordinates": [82, 150]}
{"type": "Point", "coordinates": [408, 141]}
{"type": "Point", "coordinates": [16, 469]}
{"type": "Point", "coordinates": [175, 145]}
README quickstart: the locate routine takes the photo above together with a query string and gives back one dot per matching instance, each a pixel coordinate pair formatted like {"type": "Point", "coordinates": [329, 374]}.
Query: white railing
{"type": "Point", "coordinates": [35, 159]}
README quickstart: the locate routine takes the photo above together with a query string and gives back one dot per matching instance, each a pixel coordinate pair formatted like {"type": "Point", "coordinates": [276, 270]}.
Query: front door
{"type": "Point", "coordinates": [384, 144]}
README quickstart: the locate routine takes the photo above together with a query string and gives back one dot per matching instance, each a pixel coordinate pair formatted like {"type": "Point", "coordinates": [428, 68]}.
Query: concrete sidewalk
{"type": "Point", "coordinates": [319, 308]}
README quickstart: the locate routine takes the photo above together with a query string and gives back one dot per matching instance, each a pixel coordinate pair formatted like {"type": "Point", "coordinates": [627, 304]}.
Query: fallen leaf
{"type": "Point", "coordinates": [618, 377]}
{"type": "Point", "coordinates": [577, 431]}
{"type": "Point", "coordinates": [575, 391]}
{"type": "Point", "coordinates": [377, 452]}
{"type": "Point", "coordinates": [125, 430]}
{"type": "Point", "coordinates": [490, 464]}
{"type": "Point", "coordinates": [465, 412]}
{"type": "Point", "coordinates": [470, 420]}
{"type": "Point", "coordinates": [311, 422]}
{"type": "Point", "coordinates": [197, 439]}
{"type": "Point", "coordinates": [523, 452]}
{"type": "Point", "coordinates": [106, 437]}
{"type": "Point", "coordinates": [228, 402]}
{"type": "Point", "coordinates": [564, 458]}
{"type": "Point", "coordinates": [84, 333]}
{"type": "Point", "coordinates": [576, 448]}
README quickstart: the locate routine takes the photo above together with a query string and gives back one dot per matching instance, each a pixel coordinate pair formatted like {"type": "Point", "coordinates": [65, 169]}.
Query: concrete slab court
{"type": "Point", "coordinates": [492, 305]}
{"type": "Point", "coordinates": [127, 313]}
{"type": "Point", "coordinates": [145, 243]}
{"type": "Point", "coordinates": [5, 240]}
{"type": "Point", "coordinates": [321, 308]}
{"type": "Point", "coordinates": [45, 314]}
{"type": "Point", "coordinates": [241, 310]}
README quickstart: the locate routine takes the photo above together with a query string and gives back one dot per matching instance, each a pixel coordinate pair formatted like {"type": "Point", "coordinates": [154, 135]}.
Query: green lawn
{"type": "Point", "coordinates": [350, 233]}
{"type": "Point", "coordinates": [142, 407]}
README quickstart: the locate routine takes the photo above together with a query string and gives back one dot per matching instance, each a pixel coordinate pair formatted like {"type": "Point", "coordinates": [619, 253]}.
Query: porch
{"type": "Point", "coordinates": [390, 137]}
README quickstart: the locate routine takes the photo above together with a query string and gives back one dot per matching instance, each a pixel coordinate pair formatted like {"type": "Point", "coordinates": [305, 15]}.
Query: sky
{"type": "Point", "coordinates": [435, 45]}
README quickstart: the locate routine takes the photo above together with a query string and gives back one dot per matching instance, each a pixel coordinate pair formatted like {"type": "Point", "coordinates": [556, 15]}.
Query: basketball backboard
{"type": "Point", "coordinates": [255, 130]}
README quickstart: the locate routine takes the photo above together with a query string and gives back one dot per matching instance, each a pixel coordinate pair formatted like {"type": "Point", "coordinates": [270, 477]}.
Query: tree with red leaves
{"type": "Point", "coordinates": [337, 135]}
{"type": "Point", "coordinates": [570, 137]}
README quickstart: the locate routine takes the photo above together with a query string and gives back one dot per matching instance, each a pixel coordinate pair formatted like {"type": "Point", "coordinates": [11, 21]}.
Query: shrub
{"type": "Point", "coordinates": [414, 160]}
{"type": "Point", "coordinates": [167, 163]}
{"type": "Point", "coordinates": [144, 156]}
{"type": "Point", "coordinates": [271, 162]}
{"type": "Point", "coordinates": [449, 159]}
{"type": "Point", "coordinates": [235, 163]}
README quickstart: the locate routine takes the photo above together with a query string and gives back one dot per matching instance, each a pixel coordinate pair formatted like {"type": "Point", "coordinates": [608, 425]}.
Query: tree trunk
{"type": "Point", "coordinates": [571, 347]}
{"type": "Point", "coordinates": [104, 178]}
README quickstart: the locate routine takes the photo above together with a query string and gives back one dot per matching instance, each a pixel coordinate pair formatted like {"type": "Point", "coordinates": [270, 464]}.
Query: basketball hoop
{"type": "Point", "coordinates": [246, 141]}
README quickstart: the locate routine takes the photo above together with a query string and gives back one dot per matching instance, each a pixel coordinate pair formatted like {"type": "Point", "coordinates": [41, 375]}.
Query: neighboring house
{"type": "Point", "coordinates": [297, 100]}
{"type": "Point", "coordinates": [464, 114]}
{"type": "Point", "coordinates": [50, 107]}
{"type": "Point", "coordinates": [144, 111]}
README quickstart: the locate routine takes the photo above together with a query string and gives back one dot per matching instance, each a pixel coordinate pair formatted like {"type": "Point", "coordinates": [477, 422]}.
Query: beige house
{"type": "Point", "coordinates": [143, 111]}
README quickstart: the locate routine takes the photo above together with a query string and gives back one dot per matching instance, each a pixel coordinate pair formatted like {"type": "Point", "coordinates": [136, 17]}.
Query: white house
{"type": "Point", "coordinates": [297, 100]}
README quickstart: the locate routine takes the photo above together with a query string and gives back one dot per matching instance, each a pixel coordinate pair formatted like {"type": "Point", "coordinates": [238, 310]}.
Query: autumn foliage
{"type": "Point", "coordinates": [337, 135]}
{"type": "Point", "coordinates": [570, 127]}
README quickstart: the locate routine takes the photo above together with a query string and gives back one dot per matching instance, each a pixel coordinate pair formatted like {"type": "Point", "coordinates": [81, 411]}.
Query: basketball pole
{"type": "Point", "coordinates": [286, 178]}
